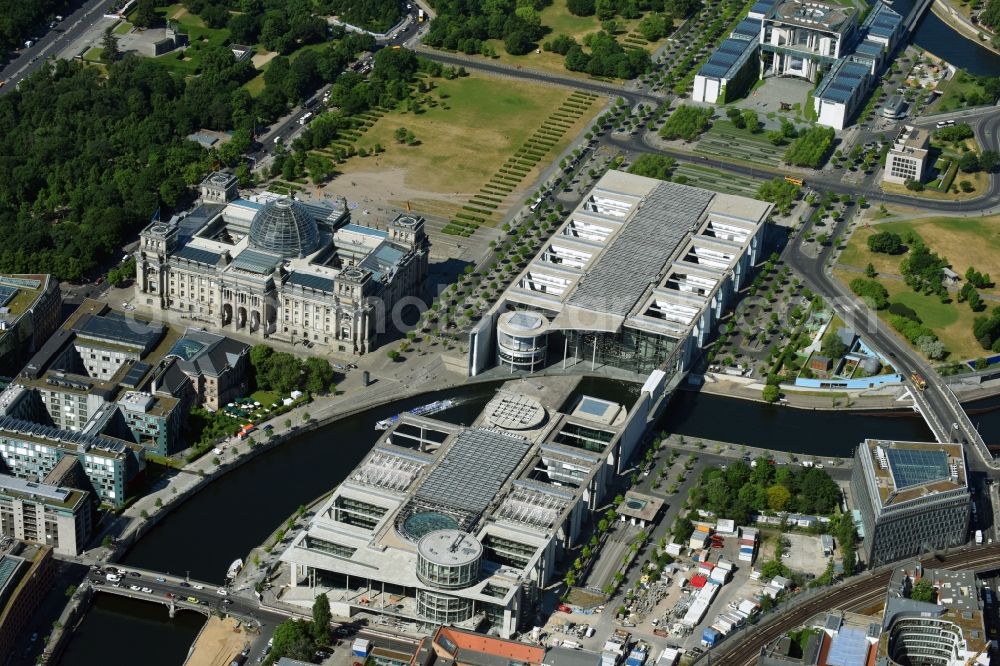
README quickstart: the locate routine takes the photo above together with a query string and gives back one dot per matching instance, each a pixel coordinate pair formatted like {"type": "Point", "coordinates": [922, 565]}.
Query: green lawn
{"type": "Point", "coordinates": [953, 91]}
{"type": "Point", "coordinates": [188, 61]}
{"type": "Point", "coordinates": [255, 85]}
{"type": "Point", "coordinates": [476, 124]}
{"type": "Point", "coordinates": [716, 180]}
{"type": "Point", "coordinates": [265, 398]}
{"type": "Point", "coordinates": [94, 54]}
{"type": "Point", "coordinates": [123, 28]}
{"type": "Point", "coordinates": [726, 140]}
{"type": "Point", "coordinates": [973, 241]}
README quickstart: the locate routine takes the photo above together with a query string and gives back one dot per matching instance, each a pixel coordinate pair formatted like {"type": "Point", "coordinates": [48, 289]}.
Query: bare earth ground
{"type": "Point", "coordinates": [218, 643]}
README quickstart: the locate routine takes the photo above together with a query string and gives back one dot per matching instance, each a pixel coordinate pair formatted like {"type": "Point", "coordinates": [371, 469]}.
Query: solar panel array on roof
{"type": "Point", "coordinates": [473, 469]}
{"type": "Point", "coordinates": [845, 79]}
{"type": "Point", "coordinates": [382, 260]}
{"type": "Point", "coordinates": [310, 281]}
{"type": "Point", "coordinates": [194, 221]}
{"type": "Point", "coordinates": [869, 48]}
{"type": "Point", "coordinates": [255, 261]}
{"type": "Point", "coordinates": [15, 427]}
{"type": "Point", "coordinates": [915, 467]}
{"type": "Point", "coordinates": [848, 648]}
{"type": "Point", "coordinates": [115, 327]}
{"type": "Point", "coordinates": [748, 27]}
{"type": "Point", "coordinates": [135, 375]}
{"type": "Point", "coordinates": [7, 294]}
{"type": "Point", "coordinates": [729, 53]}
{"type": "Point", "coordinates": [27, 283]}
{"type": "Point", "coordinates": [197, 255]}
{"type": "Point", "coordinates": [666, 217]}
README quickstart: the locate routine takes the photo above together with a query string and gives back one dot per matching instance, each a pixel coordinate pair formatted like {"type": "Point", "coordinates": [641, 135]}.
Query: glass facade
{"type": "Point", "coordinates": [447, 577]}
{"type": "Point", "coordinates": [327, 547]}
{"type": "Point", "coordinates": [628, 349]}
{"type": "Point", "coordinates": [443, 608]}
{"type": "Point", "coordinates": [286, 228]}
{"type": "Point", "coordinates": [924, 641]}
{"type": "Point", "coordinates": [359, 514]}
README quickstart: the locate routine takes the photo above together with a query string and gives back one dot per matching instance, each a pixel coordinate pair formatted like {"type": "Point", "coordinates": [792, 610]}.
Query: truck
{"type": "Point", "coordinates": [711, 637]}
{"type": "Point", "coordinates": [361, 647]}
{"type": "Point", "coordinates": [918, 381]}
{"type": "Point", "coordinates": [636, 658]}
{"type": "Point", "coordinates": [420, 16]}
{"type": "Point", "coordinates": [979, 537]}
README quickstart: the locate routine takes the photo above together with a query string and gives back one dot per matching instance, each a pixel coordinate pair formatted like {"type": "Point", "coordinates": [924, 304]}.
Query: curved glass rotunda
{"type": "Point", "coordinates": [285, 227]}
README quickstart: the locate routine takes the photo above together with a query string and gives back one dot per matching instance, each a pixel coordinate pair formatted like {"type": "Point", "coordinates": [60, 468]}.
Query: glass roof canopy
{"type": "Point", "coordinates": [285, 227]}
{"type": "Point", "coordinates": [914, 467]}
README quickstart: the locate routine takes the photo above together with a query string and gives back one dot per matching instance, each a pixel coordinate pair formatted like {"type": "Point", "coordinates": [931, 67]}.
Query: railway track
{"type": "Point", "coordinates": [855, 595]}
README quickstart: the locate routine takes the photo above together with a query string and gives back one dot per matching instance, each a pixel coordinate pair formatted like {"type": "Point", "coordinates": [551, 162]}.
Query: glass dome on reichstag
{"type": "Point", "coordinates": [285, 227]}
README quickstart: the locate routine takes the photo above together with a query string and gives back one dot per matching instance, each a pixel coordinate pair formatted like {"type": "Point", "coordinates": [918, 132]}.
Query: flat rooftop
{"type": "Point", "coordinates": [905, 471]}
{"type": "Point", "coordinates": [44, 492]}
{"type": "Point", "coordinates": [633, 238]}
{"type": "Point", "coordinates": [810, 14]}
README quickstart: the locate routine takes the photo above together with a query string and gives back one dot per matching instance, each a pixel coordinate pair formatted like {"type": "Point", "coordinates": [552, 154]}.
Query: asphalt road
{"type": "Point", "coordinates": [985, 122]}
{"type": "Point", "coordinates": [244, 608]}
{"type": "Point", "coordinates": [743, 649]}
{"type": "Point", "coordinates": [53, 42]}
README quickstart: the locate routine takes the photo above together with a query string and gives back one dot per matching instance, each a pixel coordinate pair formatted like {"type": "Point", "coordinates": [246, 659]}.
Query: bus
{"type": "Point", "coordinates": [795, 181]}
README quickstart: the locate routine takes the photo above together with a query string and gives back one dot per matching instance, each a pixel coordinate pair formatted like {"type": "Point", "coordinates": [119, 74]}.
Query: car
{"type": "Point", "coordinates": [161, 580]}
{"type": "Point", "coordinates": [134, 588]}
{"type": "Point", "coordinates": [192, 600]}
{"type": "Point", "coordinates": [135, 574]}
{"type": "Point", "coordinates": [99, 280]}
{"type": "Point", "coordinates": [696, 650]}
{"type": "Point", "coordinates": [222, 592]}
{"type": "Point", "coordinates": [185, 584]}
{"type": "Point", "coordinates": [227, 601]}
{"type": "Point", "coordinates": [147, 590]}
{"type": "Point", "coordinates": [169, 595]}
{"type": "Point", "coordinates": [198, 587]}
{"type": "Point", "coordinates": [34, 637]}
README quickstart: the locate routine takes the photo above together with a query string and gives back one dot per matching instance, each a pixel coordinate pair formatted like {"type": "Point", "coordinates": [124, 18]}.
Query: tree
{"type": "Point", "coordinates": [871, 292]}
{"type": "Point", "coordinates": [778, 497]}
{"type": "Point", "coordinates": [811, 148]}
{"type": "Point", "coordinates": [71, 590]}
{"type": "Point", "coordinates": [319, 374]}
{"type": "Point", "coordinates": [321, 618]}
{"type": "Point", "coordinates": [923, 590]}
{"type": "Point", "coordinates": [653, 165]}
{"type": "Point", "coordinates": [686, 122]}
{"type": "Point", "coordinates": [392, 354]}
{"type": "Point", "coordinates": [780, 192]}
{"type": "Point", "coordinates": [580, 7]}
{"type": "Point", "coordinates": [109, 44]}
{"type": "Point", "coordinates": [969, 162]}
{"type": "Point", "coordinates": [293, 639]}
{"type": "Point", "coordinates": [886, 242]}
{"type": "Point", "coordinates": [400, 134]}
{"type": "Point", "coordinates": [931, 348]}
{"type": "Point", "coordinates": [833, 347]}
{"type": "Point", "coordinates": [870, 270]}
{"type": "Point", "coordinates": [989, 160]}
{"type": "Point", "coordinates": [145, 14]}
{"type": "Point", "coordinates": [770, 393]}
{"type": "Point", "coordinates": [751, 120]}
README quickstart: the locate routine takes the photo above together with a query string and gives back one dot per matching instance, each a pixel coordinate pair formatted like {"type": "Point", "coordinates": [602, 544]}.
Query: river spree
{"type": "Point", "coordinates": [237, 512]}
{"type": "Point", "coordinates": [936, 36]}
{"type": "Point", "coordinates": [118, 631]}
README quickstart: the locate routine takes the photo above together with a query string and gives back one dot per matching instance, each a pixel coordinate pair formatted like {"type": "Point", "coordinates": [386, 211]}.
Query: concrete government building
{"type": "Point", "coordinates": [453, 525]}
{"type": "Point", "coordinates": [913, 498]}
{"type": "Point", "coordinates": [269, 266]}
{"type": "Point", "coordinates": [635, 278]}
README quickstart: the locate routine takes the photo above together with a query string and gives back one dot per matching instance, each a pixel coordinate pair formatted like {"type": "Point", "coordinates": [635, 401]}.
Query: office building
{"type": "Point", "coordinates": [26, 575]}
{"type": "Point", "coordinates": [833, 638]}
{"type": "Point", "coordinates": [809, 40]}
{"type": "Point", "coordinates": [94, 375]}
{"type": "Point", "coordinates": [732, 68]}
{"type": "Point", "coordinates": [29, 313]}
{"type": "Point", "coordinates": [32, 451]}
{"type": "Point", "coordinates": [269, 266]}
{"type": "Point", "coordinates": [216, 366]}
{"type": "Point", "coordinates": [454, 525]}
{"type": "Point", "coordinates": [47, 514]}
{"type": "Point", "coordinates": [913, 498]}
{"type": "Point", "coordinates": [907, 159]}
{"type": "Point", "coordinates": [948, 631]}
{"type": "Point", "coordinates": [798, 37]}
{"type": "Point", "coordinates": [636, 278]}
